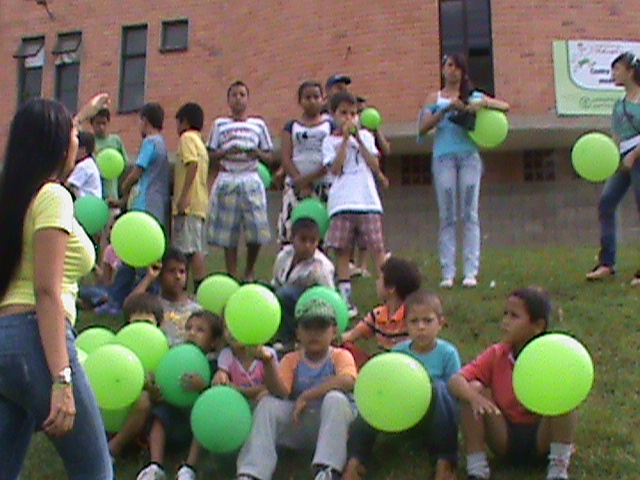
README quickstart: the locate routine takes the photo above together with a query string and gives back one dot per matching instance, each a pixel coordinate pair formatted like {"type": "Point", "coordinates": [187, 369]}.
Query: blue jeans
{"type": "Point", "coordinates": [438, 430]}
{"type": "Point", "coordinates": [457, 179]}
{"type": "Point", "coordinates": [612, 194]}
{"type": "Point", "coordinates": [94, 295]}
{"type": "Point", "coordinates": [126, 279]}
{"type": "Point", "coordinates": [25, 399]}
{"type": "Point", "coordinates": [288, 296]}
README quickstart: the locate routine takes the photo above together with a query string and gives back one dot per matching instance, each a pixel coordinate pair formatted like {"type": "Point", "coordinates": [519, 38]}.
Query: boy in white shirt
{"type": "Point", "coordinates": [84, 179]}
{"type": "Point", "coordinates": [354, 204]}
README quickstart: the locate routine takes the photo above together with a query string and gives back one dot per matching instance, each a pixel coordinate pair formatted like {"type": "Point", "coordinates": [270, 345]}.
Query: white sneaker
{"type": "Point", "coordinates": [446, 283]}
{"type": "Point", "coordinates": [186, 473]}
{"type": "Point", "coordinates": [153, 471]}
{"type": "Point", "coordinates": [470, 282]}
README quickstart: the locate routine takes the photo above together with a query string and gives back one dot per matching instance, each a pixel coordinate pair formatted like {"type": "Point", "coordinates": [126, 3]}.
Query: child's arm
{"type": "Point", "coordinates": [252, 392]}
{"type": "Point", "coordinates": [429, 119]}
{"type": "Point", "coordinates": [193, 382]}
{"type": "Point", "coordinates": [287, 154]}
{"type": "Point", "coordinates": [364, 328]}
{"type": "Point", "coordinates": [153, 272]}
{"type": "Point", "coordinates": [382, 143]}
{"type": "Point", "coordinates": [481, 405]}
{"type": "Point", "coordinates": [127, 185]}
{"type": "Point", "coordinates": [273, 381]}
{"type": "Point", "coordinates": [488, 102]}
{"type": "Point", "coordinates": [341, 156]}
{"type": "Point", "coordinates": [372, 160]}
{"type": "Point", "coordinates": [183, 201]}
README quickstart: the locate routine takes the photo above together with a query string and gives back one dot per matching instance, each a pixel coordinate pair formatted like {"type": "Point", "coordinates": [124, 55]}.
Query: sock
{"type": "Point", "coordinates": [559, 458]}
{"type": "Point", "coordinates": [477, 465]}
{"type": "Point", "coordinates": [345, 290]}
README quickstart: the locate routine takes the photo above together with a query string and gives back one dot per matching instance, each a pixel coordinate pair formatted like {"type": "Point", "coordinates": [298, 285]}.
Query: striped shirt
{"type": "Point", "coordinates": [248, 134]}
{"type": "Point", "coordinates": [388, 329]}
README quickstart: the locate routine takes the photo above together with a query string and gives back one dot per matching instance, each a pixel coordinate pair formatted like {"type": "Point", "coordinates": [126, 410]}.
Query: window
{"type": "Point", "coordinates": [67, 51]}
{"type": "Point", "coordinates": [30, 55]}
{"type": "Point", "coordinates": [465, 27]}
{"type": "Point", "coordinates": [415, 170]}
{"type": "Point", "coordinates": [133, 68]}
{"type": "Point", "coordinates": [175, 35]}
{"type": "Point", "coordinates": [539, 166]}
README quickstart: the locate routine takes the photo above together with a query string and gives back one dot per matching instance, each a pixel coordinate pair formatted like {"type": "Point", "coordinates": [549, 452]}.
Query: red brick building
{"type": "Point", "coordinates": [173, 52]}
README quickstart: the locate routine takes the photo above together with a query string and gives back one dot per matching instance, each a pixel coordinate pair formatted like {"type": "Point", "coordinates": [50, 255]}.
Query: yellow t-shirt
{"type": "Point", "coordinates": [52, 207]}
{"type": "Point", "coordinates": [191, 149]}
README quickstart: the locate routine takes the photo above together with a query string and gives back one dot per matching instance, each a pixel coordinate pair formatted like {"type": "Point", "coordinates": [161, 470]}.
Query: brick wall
{"type": "Point", "coordinates": [391, 49]}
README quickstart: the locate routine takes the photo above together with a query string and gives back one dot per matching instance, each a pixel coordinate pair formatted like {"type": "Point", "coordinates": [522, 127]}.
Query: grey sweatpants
{"type": "Point", "coordinates": [325, 426]}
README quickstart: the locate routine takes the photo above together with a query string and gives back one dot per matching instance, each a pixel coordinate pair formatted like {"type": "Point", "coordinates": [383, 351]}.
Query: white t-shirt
{"type": "Point", "coordinates": [307, 144]}
{"type": "Point", "coordinates": [355, 189]}
{"type": "Point", "coordinates": [85, 177]}
{"type": "Point", "coordinates": [251, 133]}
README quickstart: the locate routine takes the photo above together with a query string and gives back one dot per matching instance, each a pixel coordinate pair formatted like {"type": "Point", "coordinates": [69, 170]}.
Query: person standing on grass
{"type": "Point", "coordinates": [625, 122]}
{"type": "Point", "coordinates": [190, 193]}
{"type": "Point", "coordinates": [44, 253]}
{"type": "Point", "coordinates": [456, 166]}
{"type": "Point", "coordinates": [238, 198]}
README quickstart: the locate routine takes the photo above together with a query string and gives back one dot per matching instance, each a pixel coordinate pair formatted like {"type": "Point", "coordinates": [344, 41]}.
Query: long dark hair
{"type": "Point", "coordinates": [36, 151]}
{"type": "Point", "coordinates": [629, 60]}
{"type": "Point", "coordinates": [466, 87]}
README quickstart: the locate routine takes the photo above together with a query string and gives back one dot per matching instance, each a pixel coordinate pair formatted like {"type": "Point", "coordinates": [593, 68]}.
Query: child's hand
{"type": "Point", "coordinates": [262, 353]}
{"type": "Point", "coordinates": [193, 382]}
{"type": "Point", "coordinates": [221, 378]}
{"type": "Point", "coordinates": [629, 160]}
{"type": "Point", "coordinates": [384, 180]}
{"type": "Point", "coordinates": [483, 406]}
{"type": "Point", "coordinates": [152, 388]}
{"type": "Point", "coordinates": [456, 104]}
{"type": "Point", "coordinates": [349, 128]}
{"type": "Point", "coordinates": [114, 202]}
{"type": "Point", "coordinates": [153, 272]}
{"type": "Point", "coordinates": [298, 408]}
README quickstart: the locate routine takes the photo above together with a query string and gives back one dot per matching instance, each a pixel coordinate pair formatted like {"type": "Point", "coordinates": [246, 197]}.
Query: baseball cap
{"type": "Point", "coordinates": [316, 310]}
{"type": "Point", "coordinates": [338, 78]}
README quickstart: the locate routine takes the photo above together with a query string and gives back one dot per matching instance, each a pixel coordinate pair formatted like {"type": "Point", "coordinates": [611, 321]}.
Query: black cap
{"type": "Point", "coordinates": [338, 78]}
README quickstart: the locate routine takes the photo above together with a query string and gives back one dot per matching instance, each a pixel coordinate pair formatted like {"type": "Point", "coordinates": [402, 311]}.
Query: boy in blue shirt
{"type": "Point", "coordinates": [439, 428]}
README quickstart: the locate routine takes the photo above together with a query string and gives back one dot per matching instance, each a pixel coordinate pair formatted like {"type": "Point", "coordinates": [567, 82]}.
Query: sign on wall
{"type": "Point", "coordinates": [582, 72]}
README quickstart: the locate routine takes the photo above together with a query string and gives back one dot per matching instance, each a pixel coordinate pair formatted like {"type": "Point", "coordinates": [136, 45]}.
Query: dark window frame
{"type": "Point", "coordinates": [126, 59]}
{"type": "Point", "coordinates": [68, 44]}
{"type": "Point", "coordinates": [61, 47]}
{"type": "Point", "coordinates": [29, 47]}
{"type": "Point", "coordinates": [478, 58]}
{"type": "Point", "coordinates": [166, 25]}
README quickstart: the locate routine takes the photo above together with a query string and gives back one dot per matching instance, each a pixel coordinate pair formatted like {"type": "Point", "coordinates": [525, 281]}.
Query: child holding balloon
{"type": "Point", "coordinates": [302, 155]}
{"type": "Point", "coordinates": [492, 415]}
{"type": "Point", "coordinates": [170, 423]}
{"type": "Point", "coordinates": [439, 428]}
{"type": "Point", "coordinates": [309, 402]}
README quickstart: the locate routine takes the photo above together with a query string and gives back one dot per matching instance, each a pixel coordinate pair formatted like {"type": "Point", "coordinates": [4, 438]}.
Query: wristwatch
{"type": "Point", "coordinates": [64, 377]}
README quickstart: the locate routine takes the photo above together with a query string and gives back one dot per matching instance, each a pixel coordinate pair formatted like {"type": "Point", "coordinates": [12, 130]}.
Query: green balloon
{"type": "Point", "coordinates": [138, 239]}
{"type": "Point", "coordinates": [314, 209]}
{"type": "Point", "coordinates": [114, 420]}
{"type": "Point", "coordinates": [147, 341]}
{"type": "Point", "coordinates": [82, 356]}
{"type": "Point", "coordinates": [370, 118]}
{"type": "Point", "coordinates": [265, 175]}
{"type": "Point", "coordinates": [332, 297]}
{"type": "Point", "coordinates": [110, 163]}
{"type": "Point", "coordinates": [116, 376]}
{"type": "Point", "coordinates": [253, 314]}
{"type": "Point", "coordinates": [214, 292]}
{"type": "Point", "coordinates": [595, 157]}
{"type": "Point", "coordinates": [491, 128]}
{"type": "Point", "coordinates": [93, 338]}
{"type": "Point", "coordinates": [553, 374]}
{"type": "Point", "coordinates": [393, 392]}
{"type": "Point", "coordinates": [227, 429]}
{"type": "Point", "coordinates": [92, 213]}
{"type": "Point", "coordinates": [186, 358]}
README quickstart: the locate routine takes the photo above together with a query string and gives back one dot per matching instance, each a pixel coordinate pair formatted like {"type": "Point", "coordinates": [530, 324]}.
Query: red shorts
{"type": "Point", "coordinates": [345, 227]}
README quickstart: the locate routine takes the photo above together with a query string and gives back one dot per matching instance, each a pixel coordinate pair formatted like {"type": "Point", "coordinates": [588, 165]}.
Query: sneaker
{"type": "Point", "coordinates": [635, 281]}
{"type": "Point", "coordinates": [153, 471]}
{"type": "Point", "coordinates": [327, 473]}
{"type": "Point", "coordinates": [446, 283]}
{"type": "Point", "coordinates": [186, 473]}
{"type": "Point", "coordinates": [470, 282]}
{"type": "Point", "coordinates": [108, 309]}
{"type": "Point", "coordinates": [600, 271]}
{"type": "Point", "coordinates": [353, 311]}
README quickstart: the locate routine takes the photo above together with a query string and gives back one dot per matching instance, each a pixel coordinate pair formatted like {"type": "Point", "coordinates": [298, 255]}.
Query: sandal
{"type": "Point", "coordinates": [600, 272]}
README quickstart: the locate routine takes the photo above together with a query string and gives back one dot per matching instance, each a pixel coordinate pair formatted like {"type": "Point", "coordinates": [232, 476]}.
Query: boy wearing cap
{"type": "Point", "coordinates": [309, 404]}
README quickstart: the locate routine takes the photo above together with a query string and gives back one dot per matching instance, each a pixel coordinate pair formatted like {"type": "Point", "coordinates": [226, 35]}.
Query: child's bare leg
{"type": "Point", "coordinates": [253, 249]}
{"type": "Point", "coordinates": [134, 424]}
{"type": "Point", "coordinates": [445, 469]}
{"type": "Point", "coordinates": [342, 265]}
{"type": "Point", "coordinates": [379, 257]}
{"type": "Point", "coordinates": [555, 437]}
{"type": "Point", "coordinates": [157, 441]}
{"type": "Point", "coordinates": [194, 453]}
{"type": "Point", "coordinates": [231, 261]}
{"type": "Point", "coordinates": [198, 267]}
{"type": "Point", "coordinates": [353, 470]}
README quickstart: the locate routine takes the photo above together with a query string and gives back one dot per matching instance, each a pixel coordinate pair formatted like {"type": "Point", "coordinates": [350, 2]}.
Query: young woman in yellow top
{"type": "Point", "coordinates": [44, 252]}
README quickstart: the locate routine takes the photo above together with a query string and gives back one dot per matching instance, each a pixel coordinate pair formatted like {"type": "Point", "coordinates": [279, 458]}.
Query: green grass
{"type": "Point", "coordinates": [603, 315]}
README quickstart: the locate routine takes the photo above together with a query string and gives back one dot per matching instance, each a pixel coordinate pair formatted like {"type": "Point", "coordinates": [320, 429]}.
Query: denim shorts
{"type": "Point", "coordinates": [25, 401]}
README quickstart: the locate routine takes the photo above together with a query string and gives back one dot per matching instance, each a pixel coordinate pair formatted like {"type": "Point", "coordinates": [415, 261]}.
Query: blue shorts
{"type": "Point", "coordinates": [523, 441]}
{"type": "Point", "coordinates": [176, 422]}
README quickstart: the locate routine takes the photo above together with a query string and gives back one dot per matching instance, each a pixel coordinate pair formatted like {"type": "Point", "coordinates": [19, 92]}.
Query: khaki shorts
{"type": "Point", "coordinates": [188, 234]}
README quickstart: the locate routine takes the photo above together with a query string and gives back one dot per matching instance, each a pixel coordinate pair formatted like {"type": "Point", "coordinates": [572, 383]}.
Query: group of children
{"type": "Point", "coordinates": [301, 390]}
